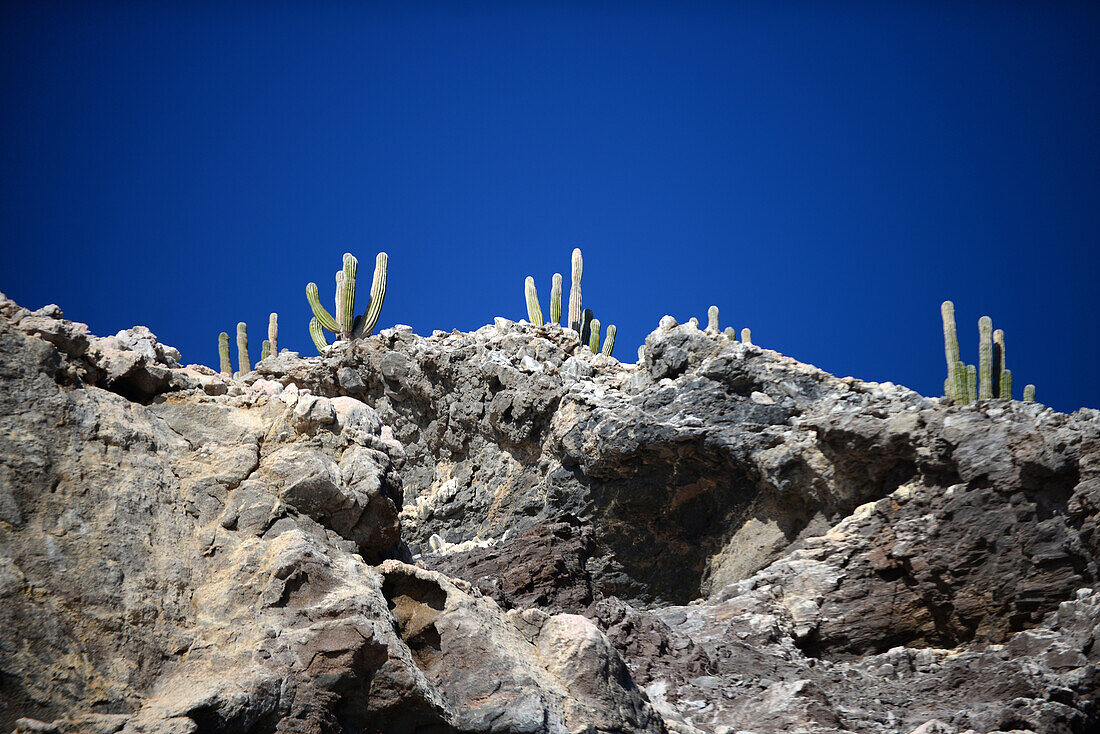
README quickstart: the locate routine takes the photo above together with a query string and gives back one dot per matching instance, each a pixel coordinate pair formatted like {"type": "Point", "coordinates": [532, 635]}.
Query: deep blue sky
{"type": "Point", "coordinates": [826, 173]}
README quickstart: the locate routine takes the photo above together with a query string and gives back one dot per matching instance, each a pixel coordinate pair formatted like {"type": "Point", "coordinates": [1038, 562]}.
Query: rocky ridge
{"type": "Point", "coordinates": [500, 531]}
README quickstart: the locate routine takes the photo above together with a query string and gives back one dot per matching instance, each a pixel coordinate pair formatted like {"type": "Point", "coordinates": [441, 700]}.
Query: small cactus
{"type": "Point", "coordinates": [971, 383]}
{"type": "Point", "coordinates": [712, 320]}
{"type": "Point", "coordinates": [594, 336]}
{"type": "Point", "coordinates": [641, 353]}
{"type": "Point", "coordinates": [962, 383]}
{"type": "Point", "coordinates": [609, 340]}
{"type": "Point", "coordinates": [555, 299]}
{"type": "Point", "coordinates": [746, 335]}
{"type": "Point", "coordinates": [586, 325]}
{"type": "Point", "coordinates": [985, 358]}
{"type": "Point", "coordinates": [265, 350]}
{"type": "Point", "coordinates": [1029, 393]}
{"type": "Point", "coordinates": [998, 361]}
{"type": "Point", "coordinates": [693, 322]}
{"type": "Point", "coordinates": [317, 333]}
{"type": "Point", "coordinates": [731, 333]}
{"type": "Point", "coordinates": [1006, 384]}
{"type": "Point", "coordinates": [575, 311]}
{"type": "Point", "coordinates": [534, 311]}
{"type": "Point", "coordinates": [244, 366]}
{"type": "Point", "coordinates": [223, 353]}
{"type": "Point", "coordinates": [273, 332]}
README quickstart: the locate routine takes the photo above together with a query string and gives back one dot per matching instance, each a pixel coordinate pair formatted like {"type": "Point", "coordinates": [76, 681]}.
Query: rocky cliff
{"type": "Point", "coordinates": [502, 532]}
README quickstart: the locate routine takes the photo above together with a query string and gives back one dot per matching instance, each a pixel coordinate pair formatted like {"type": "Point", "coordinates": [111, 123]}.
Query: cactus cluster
{"type": "Point", "coordinates": [730, 333]}
{"type": "Point", "coordinates": [346, 325]}
{"type": "Point", "coordinates": [578, 319]}
{"type": "Point", "coordinates": [244, 363]}
{"type": "Point", "coordinates": [990, 378]}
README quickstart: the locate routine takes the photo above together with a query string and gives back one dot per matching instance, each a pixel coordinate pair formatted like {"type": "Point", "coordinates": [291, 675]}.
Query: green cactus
{"type": "Point", "coordinates": [223, 353]}
{"type": "Point", "coordinates": [731, 333]}
{"type": "Point", "coordinates": [586, 325]}
{"type": "Point", "coordinates": [712, 320]}
{"type": "Point", "coordinates": [534, 311]}
{"type": "Point", "coordinates": [273, 332]}
{"type": "Point", "coordinates": [575, 311]}
{"type": "Point", "coordinates": [746, 335]}
{"type": "Point", "coordinates": [555, 299]}
{"type": "Point", "coordinates": [244, 366]}
{"type": "Point", "coordinates": [609, 340]}
{"type": "Point", "coordinates": [1029, 393]}
{"type": "Point", "coordinates": [951, 350]}
{"type": "Point", "coordinates": [971, 383]}
{"type": "Point", "coordinates": [324, 318]}
{"type": "Point", "coordinates": [347, 305]}
{"type": "Point", "coordinates": [317, 333]}
{"type": "Point", "coordinates": [345, 324]}
{"type": "Point", "coordinates": [985, 358]}
{"type": "Point", "coordinates": [1005, 390]}
{"type": "Point", "coordinates": [265, 350]}
{"type": "Point", "coordinates": [364, 325]}
{"type": "Point", "coordinates": [594, 336]}
{"type": "Point", "coordinates": [961, 381]}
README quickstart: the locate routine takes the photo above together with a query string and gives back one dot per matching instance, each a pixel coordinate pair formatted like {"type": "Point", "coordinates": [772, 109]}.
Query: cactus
{"type": "Point", "coordinates": [324, 318]}
{"type": "Point", "coordinates": [746, 335]}
{"type": "Point", "coordinates": [345, 324]}
{"type": "Point", "coordinates": [273, 332]}
{"type": "Point", "coordinates": [609, 340]}
{"type": "Point", "coordinates": [364, 325]}
{"type": "Point", "coordinates": [575, 312]}
{"type": "Point", "coordinates": [693, 322]}
{"type": "Point", "coordinates": [534, 311]}
{"type": "Point", "coordinates": [961, 383]}
{"type": "Point", "coordinates": [731, 333]}
{"type": "Point", "coordinates": [985, 358]}
{"type": "Point", "coordinates": [586, 325]}
{"type": "Point", "coordinates": [317, 333]}
{"type": "Point", "coordinates": [951, 350]}
{"type": "Point", "coordinates": [712, 320]}
{"type": "Point", "coordinates": [243, 364]}
{"type": "Point", "coordinates": [223, 353]}
{"type": "Point", "coordinates": [265, 350]}
{"type": "Point", "coordinates": [555, 299]}
{"type": "Point", "coordinates": [1005, 390]}
{"type": "Point", "coordinates": [347, 304]}
{"type": "Point", "coordinates": [1029, 393]}
{"type": "Point", "coordinates": [998, 361]}
{"type": "Point", "coordinates": [641, 353]}
{"type": "Point", "coordinates": [971, 383]}
{"type": "Point", "coordinates": [339, 310]}
{"type": "Point", "coordinates": [594, 336]}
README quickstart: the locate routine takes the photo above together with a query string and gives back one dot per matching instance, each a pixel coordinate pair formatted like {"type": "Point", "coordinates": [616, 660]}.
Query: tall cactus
{"type": "Point", "coordinates": [555, 299]}
{"type": "Point", "coordinates": [951, 350]}
{"type": "Point", "coordinates": [985, 358]}
{"type": "Point", "coordinates": [594, 336]}
{"type": "Point", "coordinates": [746, 335]}
{"type": "Point", "coordinates": [317, 333]}
{"type": "Point", "coordinates": [244, 366]}
{"type": "Point", "coordinates": [273, 332]}
{"type": "Point", "coordinates": [712, 320]}
{"type": "Point", "coordinates": [1006, 384]}
{"type": "Point", "coordinates": [1029, 393]}
{"type": "Point", "coordinates": [223, 353]}
{"type": "Point", "coordinates": [534, 310]}
{"type": "Point", "coordinates": [347, 305]}
{"type": "Point", "coordinates": [575, 311]}
{"type": "Point", "coordinates": [609, 340]}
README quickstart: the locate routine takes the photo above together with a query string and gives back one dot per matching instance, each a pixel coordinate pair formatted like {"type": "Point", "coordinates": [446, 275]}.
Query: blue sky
{"type": "Point", "coordinates": [826, 173]}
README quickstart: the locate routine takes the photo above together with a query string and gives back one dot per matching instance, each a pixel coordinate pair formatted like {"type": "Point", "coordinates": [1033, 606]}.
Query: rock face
{"type": "Point", "coordinates": [500, 531]}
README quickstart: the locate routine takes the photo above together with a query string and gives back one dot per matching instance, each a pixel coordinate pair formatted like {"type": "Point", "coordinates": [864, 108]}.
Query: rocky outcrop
{"type": "Point", "coordinates": [500, 531]}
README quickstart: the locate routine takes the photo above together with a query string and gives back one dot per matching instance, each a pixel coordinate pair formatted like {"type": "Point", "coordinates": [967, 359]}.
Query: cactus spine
{"type": "Point", "coordinates": [265, 350]}
{"type": "Point", "coordinates": [594, 336]}
{"type": "Point", "coordinates": [951, 351]}
{"type": "Point", "coordinates": [317, 333]}
{"type": "Point", "coordinates": [746, 335]}
{"type": "Point", "coordinates": [971, 383]}
{"type": "Point", "coordinates": [555, 299]}
{"type": "Point", "coordinates": [575, 313]}
{"type": "Point", "coordinates": [1006, 384]}
{"type": "Point", "coordinates": [609, 340]}
{"type": "Point", "coordinates": [985, 358]}
{"type": "Point", "coordinates": [534, 311]}
{"type": "Point", "coordinates": [366, 323]}
{"type": "Point", "coordinates": [712, 320]}
{"type": "Point", "coordinates": [223, 353]}
{"type": "Point", "coordinates": [243, 364]}
{"type": "Point", "coordinates": [1029, 393]}
{"type": "Point", "coordinates": [273, 332]}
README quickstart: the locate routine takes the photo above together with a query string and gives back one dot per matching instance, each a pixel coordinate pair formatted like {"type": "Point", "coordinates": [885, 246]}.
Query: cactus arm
{"type": "Point", "coordinates": [223, 354]}
{"type": "Point", "coordinates": [347, 296]}
{"type": "Point", "coordinates": [365, 326]}
{"type": "Point", "coordinates": [985, 358]}
{"type": "Point", "coordinates": [534, 310]}
{"type": "Point", "coordinates": [609, 340]}
{"type": "Point", "coordinates": [594, 336]}
{"type": "Point", "coordinates": [712, 320]}
{"type": "Point", "coordinates": [273, 332]}
{"type": "Point", "coordinates": [324, 318]}
{"type": "Point", "coordinates": [951, 347]}
{"type": "Point", "coordinates": [265, 350]}
{"type": "Point", "coordinates": [746, 335]}
{"type": "Point", "coordinates": [318, 335]}
{"type": "Point", "coordinates": [243, 364]}
{"type": "Point", "coordinates": [555, 299]}
{"type": "Point", "coordinates": [1006, 384]}
{"type": "Point", "coordinates": [575, 313]}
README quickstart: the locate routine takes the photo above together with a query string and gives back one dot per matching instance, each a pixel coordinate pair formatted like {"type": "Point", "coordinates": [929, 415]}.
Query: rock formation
{"type": "Point", "coordinates": [502, 532]}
